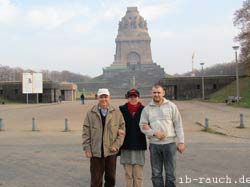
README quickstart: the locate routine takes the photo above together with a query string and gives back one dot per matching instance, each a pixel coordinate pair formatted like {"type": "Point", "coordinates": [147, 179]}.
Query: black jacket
{"type": "Point", "coordinates": [134, 139]}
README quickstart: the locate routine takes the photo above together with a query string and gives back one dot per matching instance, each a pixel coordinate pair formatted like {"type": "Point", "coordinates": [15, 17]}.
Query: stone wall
{"type": "Point", "coordinates": [68, 91]}
{"type": "Point", "coordinates": [191, 87]}
{"type": "Point", "coordinates": [119, 81]}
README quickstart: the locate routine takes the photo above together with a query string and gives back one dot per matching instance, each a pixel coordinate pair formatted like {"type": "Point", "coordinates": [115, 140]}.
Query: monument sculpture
{"type": "Point", "coordinates": [133, 41]}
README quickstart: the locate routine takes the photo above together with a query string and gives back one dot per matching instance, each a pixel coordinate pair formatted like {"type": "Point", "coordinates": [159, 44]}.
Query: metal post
{"type": "Point", "coordinates": [133, 82]}
{"type": "Point", "coordinates": [237, 78]}
{"type": "Point", "coordinates": [206, 123]}
{"type": "Point", "coordinates": [235, 48]}
{"type": "Point", "coordinates": [1, 124]}
{"type": "Point", "coordinates": [33, 124]}
{"type": "Point", "coordinates": [66, 129]}
{"type": "Point", "coordinates": [27, 98]}
{"type": "Point", "coordinates": [203, 91]}
{"type": "Point", "coordinates": [202, 81]}
{"type": "Point", "coordinates": [37, 101]}
{"type": "Point", "coordinates": [241, 121]}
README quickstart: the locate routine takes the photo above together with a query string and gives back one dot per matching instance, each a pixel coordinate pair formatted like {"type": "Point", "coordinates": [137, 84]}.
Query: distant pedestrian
{"type": "Point", "coordinates": [82, 97]}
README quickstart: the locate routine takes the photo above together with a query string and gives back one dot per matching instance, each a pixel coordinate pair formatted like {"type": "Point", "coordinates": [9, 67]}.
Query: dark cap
{"type": "Point", "coordinates": [133, 92]}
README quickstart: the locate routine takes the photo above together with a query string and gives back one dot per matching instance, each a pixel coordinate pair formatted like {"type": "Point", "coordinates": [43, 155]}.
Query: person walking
{"type": "Point", "coordinates": [101, 141]}
{"type": "Point", "coordinates": [82, 97]}
{"type": "Point", "coordinates": [161, 122]}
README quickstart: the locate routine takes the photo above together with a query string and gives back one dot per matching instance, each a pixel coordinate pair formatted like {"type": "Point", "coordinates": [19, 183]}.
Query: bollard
{"type": "Point", "coordinates": [241, 121]}
{"type": "Point", "coordinates": [66, 129]}
{"type": "Point", "coordinates": [1, 124]}
{"type": "Point", "coordinates": [33, 124]}
{"type": "Point", "coordinates": [206, 123]}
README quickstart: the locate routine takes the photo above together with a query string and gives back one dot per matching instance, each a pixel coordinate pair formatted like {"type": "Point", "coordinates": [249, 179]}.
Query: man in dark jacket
{"type": "Point", "coordinates": [134, 146]}
{"type": "Point", "coordinates": [82, 98]}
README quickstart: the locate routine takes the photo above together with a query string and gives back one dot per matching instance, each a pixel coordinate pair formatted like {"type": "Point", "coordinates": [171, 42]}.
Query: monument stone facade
{"type": "Point", "coordinates": [133, 41]}
{"type": "Point", "coordinates": [133, 66]}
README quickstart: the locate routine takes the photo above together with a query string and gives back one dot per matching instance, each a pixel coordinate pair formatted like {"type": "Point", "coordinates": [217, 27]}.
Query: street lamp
{"type": "Point", "coordinates": [235, 48]}
{"type": "Point", "coordinates": [1, 72]}
{"type": "Point", "coordinates": [202, 80]}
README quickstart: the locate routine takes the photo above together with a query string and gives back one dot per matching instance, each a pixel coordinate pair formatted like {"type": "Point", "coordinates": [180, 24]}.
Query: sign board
{"type": "Point", "coordinates": [37, 83]}
{"type": "Point", "coordinates": [27, 83]}
{"type": "Point", "coordinates": [32, 83]}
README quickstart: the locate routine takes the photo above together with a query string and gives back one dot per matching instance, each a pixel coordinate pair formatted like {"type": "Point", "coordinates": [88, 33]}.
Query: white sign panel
{"type": "Point", "coordinates": [37, 83]}
{"type": "Point", "coordinates": [32, 83]}
{"type": "Point", "coordinates": [27, 83]}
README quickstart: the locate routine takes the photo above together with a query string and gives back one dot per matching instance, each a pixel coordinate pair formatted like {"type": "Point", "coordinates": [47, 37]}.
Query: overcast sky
{"type": "Point", "coordinates": [79, 35]}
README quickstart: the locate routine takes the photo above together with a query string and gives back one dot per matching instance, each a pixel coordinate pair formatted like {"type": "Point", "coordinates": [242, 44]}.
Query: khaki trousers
{"type": "Point", "coordinates": [133, 175]}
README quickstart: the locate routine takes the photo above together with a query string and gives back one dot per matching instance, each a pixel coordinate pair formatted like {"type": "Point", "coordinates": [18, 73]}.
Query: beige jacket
{"type": "Point", "coordinates": [92, 131]}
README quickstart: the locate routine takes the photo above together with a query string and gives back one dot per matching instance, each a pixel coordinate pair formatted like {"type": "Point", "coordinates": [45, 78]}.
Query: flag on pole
{"type": "Point", "coordinates": [193, 55]}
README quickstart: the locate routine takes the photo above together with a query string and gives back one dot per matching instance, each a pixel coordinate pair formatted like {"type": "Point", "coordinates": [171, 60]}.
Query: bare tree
{"type": "Point", "coordinates": [15, 74]}
{"type": "Point", "coordinates": [215, 70]}
{"type": "Point", "coordinates": [242, 21]}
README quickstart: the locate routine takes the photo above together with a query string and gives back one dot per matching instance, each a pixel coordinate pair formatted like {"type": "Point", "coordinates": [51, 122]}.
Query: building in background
{"type": "Point", "coordinates": [184, 88]}
{"type": "Point", "coordinates": [52, 92]}
{"type": "Point", "coordinates": [68, 91]}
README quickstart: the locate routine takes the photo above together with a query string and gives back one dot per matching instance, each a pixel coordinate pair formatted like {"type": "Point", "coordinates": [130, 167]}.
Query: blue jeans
{"type": "Point", "coordinates": [163, 155]}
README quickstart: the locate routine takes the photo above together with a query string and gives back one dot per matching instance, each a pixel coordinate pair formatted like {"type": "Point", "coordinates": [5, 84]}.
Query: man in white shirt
{"type": "Point", "coordinates": [162, 123]}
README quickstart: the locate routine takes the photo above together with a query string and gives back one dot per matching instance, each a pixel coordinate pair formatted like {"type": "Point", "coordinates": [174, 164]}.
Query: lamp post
{"type": "Point", "coordinates": [133, 82]}
{"type": "Point", "coordinates": [1, 72]}
{"type": "Point", "coordinates": [235, 48]}
{"type": "Point", "coordinates": [202, 80]}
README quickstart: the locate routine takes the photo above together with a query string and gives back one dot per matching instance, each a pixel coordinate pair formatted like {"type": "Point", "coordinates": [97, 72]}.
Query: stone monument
{"type": "Point", "coordinates": [133, 66]}
{"type": "Point", "coordinates": [133, 41]}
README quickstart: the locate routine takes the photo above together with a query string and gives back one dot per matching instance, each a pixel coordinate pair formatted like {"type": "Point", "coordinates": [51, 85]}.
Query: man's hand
{"type": "Point", "coordinates": [88, 154]}
{"type": "Point", "coordinates": [121, 133]}
{"type": "Point", "coordinates": [181, 147]}
{"type": "Point", "coordinates": [145, 127]}
{"type": "Point", "coordinates": [160, 135]}
{"type": "Point", "coordinates": [113, 150]}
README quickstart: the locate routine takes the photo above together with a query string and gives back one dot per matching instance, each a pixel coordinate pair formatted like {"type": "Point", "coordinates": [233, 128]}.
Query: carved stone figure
{"type": "Point", "coordinates": [132, 37]}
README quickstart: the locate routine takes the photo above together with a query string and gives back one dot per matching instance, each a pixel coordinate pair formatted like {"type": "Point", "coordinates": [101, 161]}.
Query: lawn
{"type": "Point", "coordinates": [230, 90]}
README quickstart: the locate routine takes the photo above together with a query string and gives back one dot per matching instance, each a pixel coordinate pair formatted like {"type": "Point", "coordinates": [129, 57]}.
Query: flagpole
{"type": "Point", "coordinates": [193, 74]}
{"type": "Point", "coordinates": [192, 65]}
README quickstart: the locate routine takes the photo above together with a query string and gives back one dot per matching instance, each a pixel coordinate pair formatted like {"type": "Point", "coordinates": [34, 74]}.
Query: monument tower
{"type": "Point", "coordinates": [133, 41]}
{"type": "Point", "coordinates": [133, 66]}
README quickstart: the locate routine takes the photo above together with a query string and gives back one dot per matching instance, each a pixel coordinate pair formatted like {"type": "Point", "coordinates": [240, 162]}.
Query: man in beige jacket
{"type": "Point", "coordinates": [101, 141]}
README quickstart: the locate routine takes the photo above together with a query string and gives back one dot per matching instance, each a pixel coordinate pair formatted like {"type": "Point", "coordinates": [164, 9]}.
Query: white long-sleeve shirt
{"type": "Point", "coordinates": [165, 118]}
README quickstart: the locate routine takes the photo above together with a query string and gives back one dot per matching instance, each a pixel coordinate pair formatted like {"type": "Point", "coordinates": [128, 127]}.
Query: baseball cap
{"type": "Point", "coordinates": [133, 92]}
{"type": "Point", "coordinates": [103, 91]}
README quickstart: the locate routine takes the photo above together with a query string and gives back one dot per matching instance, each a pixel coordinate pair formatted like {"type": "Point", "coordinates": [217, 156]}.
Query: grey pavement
{"type": "Point", "coordinates": [52, 158]}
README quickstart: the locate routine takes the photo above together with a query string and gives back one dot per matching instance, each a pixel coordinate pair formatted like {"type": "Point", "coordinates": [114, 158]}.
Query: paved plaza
{"type": "Point", "coordinates": [53, 158]}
